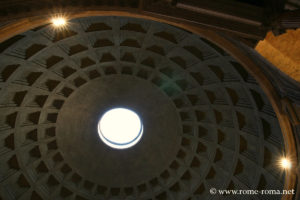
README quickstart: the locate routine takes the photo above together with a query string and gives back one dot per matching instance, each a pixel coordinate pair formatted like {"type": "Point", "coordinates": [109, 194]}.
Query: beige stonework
{"type": "Point", "coordinates": [283, 51]}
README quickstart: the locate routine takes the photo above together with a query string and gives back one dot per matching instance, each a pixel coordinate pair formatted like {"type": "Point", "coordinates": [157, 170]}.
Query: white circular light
{"type": "Point", "coordinates": [120, 128]}
{"type": "Point", "coordinates": [285, 163]}
{"type": "Point", "coordinates": [59, 21]}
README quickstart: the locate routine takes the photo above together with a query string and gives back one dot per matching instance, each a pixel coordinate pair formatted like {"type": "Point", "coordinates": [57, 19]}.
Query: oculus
{"type": "Point", "coordinates": [120, 128]}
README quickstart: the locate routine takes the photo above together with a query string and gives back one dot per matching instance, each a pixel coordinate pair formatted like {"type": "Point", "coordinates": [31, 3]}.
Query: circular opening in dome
{"type": "Point", "coordinates": [120, 128]}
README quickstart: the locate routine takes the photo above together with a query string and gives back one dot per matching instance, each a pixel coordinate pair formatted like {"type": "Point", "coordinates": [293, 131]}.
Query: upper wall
{"type": "Point", "coordinates": [283, 51]}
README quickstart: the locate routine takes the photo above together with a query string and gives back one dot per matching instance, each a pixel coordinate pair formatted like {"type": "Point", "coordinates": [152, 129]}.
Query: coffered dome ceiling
{"type": "Point", "coordinates": [207, 122]}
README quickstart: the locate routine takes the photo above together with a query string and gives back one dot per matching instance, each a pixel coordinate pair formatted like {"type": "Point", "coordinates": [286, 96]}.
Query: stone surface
{"type": "Point", "coordinates": [283, 51]}
{"type": "Point", "coordinates": [210, 121]}
{"type": "Point", "coordinates": [80, 143]}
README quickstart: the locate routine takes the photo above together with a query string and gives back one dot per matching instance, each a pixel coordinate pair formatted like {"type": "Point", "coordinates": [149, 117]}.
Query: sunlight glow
{"type": "Point", "coordinates": [59, 21]}
{"type": "Point", "coordinates": [120, 128]}
{"type": "Point", "coordinates": [285, 163]}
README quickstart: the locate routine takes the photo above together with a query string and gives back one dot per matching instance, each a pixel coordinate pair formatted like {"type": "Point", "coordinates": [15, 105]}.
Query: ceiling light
{"type": "Point", "coordinates": [59, 21]}
{"type": "Point", "coordinates": [285, 163]}
{"type": "Point", "coordinates": [120, 128]}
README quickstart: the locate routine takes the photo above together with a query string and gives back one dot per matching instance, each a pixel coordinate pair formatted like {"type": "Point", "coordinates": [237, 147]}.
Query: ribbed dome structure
{"type": "Point", "coordinates": [207, 122]}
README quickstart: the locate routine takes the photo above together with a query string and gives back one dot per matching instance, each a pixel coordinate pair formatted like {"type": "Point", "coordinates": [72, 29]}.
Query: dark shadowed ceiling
{"type": "Point", "coordinates": [207, 122]}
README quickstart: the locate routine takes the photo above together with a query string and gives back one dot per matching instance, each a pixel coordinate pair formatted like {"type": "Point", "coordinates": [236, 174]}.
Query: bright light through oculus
{"type": "Point", "coordinates": [120, 128]}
